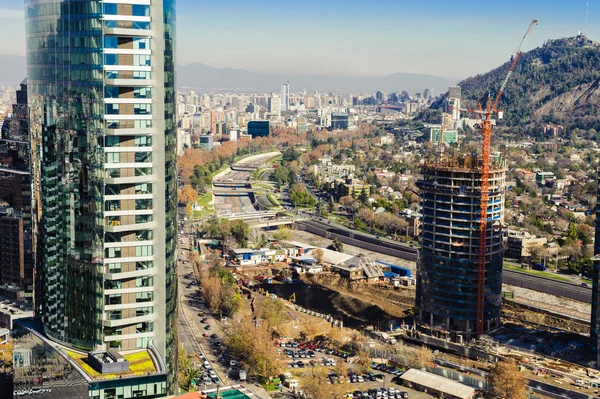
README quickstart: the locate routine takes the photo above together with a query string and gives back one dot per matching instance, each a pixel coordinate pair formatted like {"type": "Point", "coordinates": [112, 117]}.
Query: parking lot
{"type": "Point", "coordinates": [302, 360]}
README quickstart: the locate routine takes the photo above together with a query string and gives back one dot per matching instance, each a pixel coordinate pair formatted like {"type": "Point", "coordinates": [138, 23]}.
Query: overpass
{"type": "Point", "coordinates": [248, 216]}
{"type": "Point", "coordinates": [233, 193]}
{"type": "Point", "coordinates": [271, 223]}
{"type": "Point", "coordinates": [247, 167]}
{"type": "Point", "coordinates": [233, 183]}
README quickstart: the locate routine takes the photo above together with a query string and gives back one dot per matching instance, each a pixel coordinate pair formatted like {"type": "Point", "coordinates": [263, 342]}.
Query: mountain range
{"type": "Point", "coordinates": [208, 77]}
{"type": "Point", "coordinates": [201, 76]}
{"type": "Point", "coordinates": [558, 82]}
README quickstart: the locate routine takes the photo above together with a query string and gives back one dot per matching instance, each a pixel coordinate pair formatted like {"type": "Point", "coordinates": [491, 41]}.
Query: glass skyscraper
{"type": "Point", "coordinates": [102, 100]}
{"type": "Point", "coordinates": [595, 320]}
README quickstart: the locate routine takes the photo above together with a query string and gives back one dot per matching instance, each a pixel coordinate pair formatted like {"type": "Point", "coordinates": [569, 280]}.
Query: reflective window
{"type": "Point", "coordinates": [138, 10]}
{"type": "Point", "coordinates": [142, 75]}
{"type": "Point", "coordinates": [111, 41]}
{"type": "Point", "coordinates": [111, 92]}
{"type": "Point", "coordinates": [140, 43]}
{"type": "Point", "coordinates": [141, 60]}
{"type": "Point", "coordinates": [111, 59]}
{"type": "Point", "coordinates": [143, 141]}
{"type": "Point", "coordinates": [111, 109]}
{"type": "Point", "coordinates": [112, 141]}
{"type": "Point", "coordinates": [144, 250]}
{"type": "Point", "coordinates": [110, 8]}
{"type": "Point", "coordinates": [141, 25]}
{"type": "Point", "coordinates": [113, 252]}
{"type": "Point", "coordinates": [142, 109]}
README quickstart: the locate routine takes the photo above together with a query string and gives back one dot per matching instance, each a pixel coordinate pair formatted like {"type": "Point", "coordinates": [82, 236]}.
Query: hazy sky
{"type": "Point", "coordinates": [354, 37]}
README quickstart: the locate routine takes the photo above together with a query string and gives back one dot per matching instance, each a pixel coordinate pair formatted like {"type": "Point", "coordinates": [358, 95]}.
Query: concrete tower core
{"type": "Point", "coordinates": [448, 260]}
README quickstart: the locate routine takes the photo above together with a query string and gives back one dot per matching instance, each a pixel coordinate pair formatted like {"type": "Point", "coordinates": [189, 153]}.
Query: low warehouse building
{"type": "Point", "coordinates": [436, 385]}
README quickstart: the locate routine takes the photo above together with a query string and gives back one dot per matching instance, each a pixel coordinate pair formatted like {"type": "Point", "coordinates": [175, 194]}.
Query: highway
{"type": "Point", "coordinates": [405, 251]}
{"type": "Point", "coordinates": [359, 239]}
{"type": "Point", "coordinates": [547, 285]}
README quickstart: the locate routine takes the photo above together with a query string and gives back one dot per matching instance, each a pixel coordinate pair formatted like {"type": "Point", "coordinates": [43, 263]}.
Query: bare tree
{"type": "Point", "coordinates": [505, 381]}
{"type": "Point", "coordinates": [318, 255]}
{"type": "Point", "coordinates": [317, 386]}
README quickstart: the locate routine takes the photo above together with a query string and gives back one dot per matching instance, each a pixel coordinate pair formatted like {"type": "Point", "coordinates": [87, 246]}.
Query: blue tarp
{"type": "Point", "coordinates": [401, 271]}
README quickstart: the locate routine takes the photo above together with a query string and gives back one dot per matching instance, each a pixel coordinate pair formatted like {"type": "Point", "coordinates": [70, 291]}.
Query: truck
{"type": "Point", "coordinates": [242, 375]}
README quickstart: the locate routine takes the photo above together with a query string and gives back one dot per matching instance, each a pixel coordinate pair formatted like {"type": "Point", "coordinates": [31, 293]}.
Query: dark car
{"type": "Point", "coordinates": [214, 336]}
{"type": "Point", "coordinates": [207, 327]}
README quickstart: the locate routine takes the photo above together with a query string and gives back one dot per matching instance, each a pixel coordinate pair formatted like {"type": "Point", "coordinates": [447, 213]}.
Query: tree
{"type": "Point", "coordinates": [281, 176]}
{"type": "Point", "coordinates": [505, 381]}
{"type": "Point", "coordinates": [317, 386]}
{"type": "Point", "coordinates": [349, 203]}
{"type": "Point", "coordinates": [336, 245]}
{"type": "Point", "coordinates": [363, 197]}
{"type": "Point", "coordinates": [212, 291]}
{"type": "Point", "coordinates": [299, 196]}
{"type": "Point", "coordinates": [188, 195]}
{"type": "Point", "coordinates": [253, 344]}
{"type": "Point", "coordinates": [318, 255]}
{"type": "Point", "coordinates": [186, 371]}
{"type": "Point", "coordinates": [240, 231]}
{"type": "Point", "coordinates": [273, 313]}
{"type": "Point", "coordinates": [282, 234]}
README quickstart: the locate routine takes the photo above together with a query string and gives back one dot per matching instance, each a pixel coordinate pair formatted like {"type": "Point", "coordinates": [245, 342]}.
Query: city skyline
{"type": "Point", "coordinates": [396, 40]}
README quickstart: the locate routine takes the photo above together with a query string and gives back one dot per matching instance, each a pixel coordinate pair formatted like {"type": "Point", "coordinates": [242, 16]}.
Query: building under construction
{"type": "Point", "coordinates": [448, 275]}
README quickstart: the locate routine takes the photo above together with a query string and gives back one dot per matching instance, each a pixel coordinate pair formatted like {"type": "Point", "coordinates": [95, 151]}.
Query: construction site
{"type": "Point", "coordinates": [448, 296]}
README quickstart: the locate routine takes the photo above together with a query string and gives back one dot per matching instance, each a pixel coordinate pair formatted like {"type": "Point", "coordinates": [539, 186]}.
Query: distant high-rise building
{"type": "Point", "coordinates": [259, 128]}
{"type": "Point", "coordinates": [102, 102]}
{"type": "Point", "coordinates": [428, 93]}
{"type": "Point", "coordinates": [447, 271]}
{"type": "Point", "coordinates": [275, 105]}
{"type": "Point", "coordinates": [206, 142]}
{"type": "Point", "coordinates": [285, 96]}
{"type": "Point", "coordinates": [379, 96]}
{"type": "Point", "coordinates": [339, 121]}
{"type": "Point", "coordinates": [16, 243]}
{"type": "Point", "coordinates": [453, 102]}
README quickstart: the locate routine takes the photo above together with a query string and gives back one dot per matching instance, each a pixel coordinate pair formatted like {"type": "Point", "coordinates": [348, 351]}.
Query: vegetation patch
{"type": "Point", "coordinates": [537, 273]}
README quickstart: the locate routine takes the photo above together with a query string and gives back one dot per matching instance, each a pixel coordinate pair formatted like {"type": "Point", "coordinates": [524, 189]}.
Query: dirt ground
{"type": "Point", "coordinates": [551, 303]}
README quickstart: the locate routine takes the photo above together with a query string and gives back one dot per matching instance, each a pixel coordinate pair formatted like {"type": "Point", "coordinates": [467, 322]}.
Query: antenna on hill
{"type": "Point", "coordinates": [586, 17]}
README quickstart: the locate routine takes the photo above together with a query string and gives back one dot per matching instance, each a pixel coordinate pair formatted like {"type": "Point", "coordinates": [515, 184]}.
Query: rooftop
{"type": "Point", "coordinates": [140, 363]}
{"type": "Point", "coordinates": [438, 383]}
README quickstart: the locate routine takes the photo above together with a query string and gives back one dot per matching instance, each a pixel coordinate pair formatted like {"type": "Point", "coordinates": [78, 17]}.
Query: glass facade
{"type": "Point", "coordinates": [595, 322]}
{"type": "Point", "coordinates": [102, 84]}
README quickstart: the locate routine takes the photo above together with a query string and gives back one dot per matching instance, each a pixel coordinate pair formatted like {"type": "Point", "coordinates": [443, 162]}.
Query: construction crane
{"type": "Point", "coordinates": [491, 108]}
